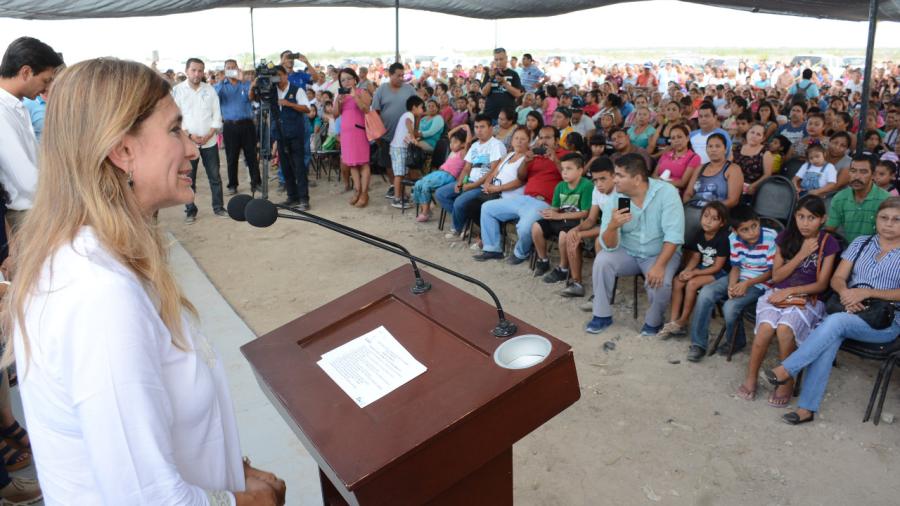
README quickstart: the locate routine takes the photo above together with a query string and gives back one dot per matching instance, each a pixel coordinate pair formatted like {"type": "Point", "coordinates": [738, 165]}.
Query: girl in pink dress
{"type": "Point", "coordinates": [352, 104]}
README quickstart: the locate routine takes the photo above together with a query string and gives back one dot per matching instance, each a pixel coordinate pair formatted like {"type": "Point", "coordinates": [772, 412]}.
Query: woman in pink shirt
{"type": "Point", "coordinates": [677, 164]}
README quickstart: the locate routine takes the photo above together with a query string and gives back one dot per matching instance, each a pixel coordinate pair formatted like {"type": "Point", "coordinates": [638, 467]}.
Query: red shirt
{"type": "Point", "coordinates": [591, 109]}
{"type": "Point", "coordinates": [647, 80]}
{"type": "Point", "coordinates": [543, 176]}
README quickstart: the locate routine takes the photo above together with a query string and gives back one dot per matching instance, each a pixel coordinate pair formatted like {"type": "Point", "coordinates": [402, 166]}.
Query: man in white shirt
{"type": "Point", "coordinates": [26, 71]}
{"type": "Point", "coordinates": [202, 120]}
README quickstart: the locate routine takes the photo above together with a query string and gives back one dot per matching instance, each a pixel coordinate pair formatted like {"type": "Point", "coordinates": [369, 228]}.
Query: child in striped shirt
{"type": "Point", "coordinates": [752, 257]}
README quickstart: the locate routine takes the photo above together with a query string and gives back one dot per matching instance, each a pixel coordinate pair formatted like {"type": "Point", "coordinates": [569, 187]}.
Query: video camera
{"type": "Point", "coordinates": [266, 80]}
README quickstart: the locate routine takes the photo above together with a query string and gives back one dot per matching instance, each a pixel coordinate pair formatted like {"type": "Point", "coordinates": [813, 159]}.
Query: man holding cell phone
{"type": "Point", "coordinates": [641, 232]}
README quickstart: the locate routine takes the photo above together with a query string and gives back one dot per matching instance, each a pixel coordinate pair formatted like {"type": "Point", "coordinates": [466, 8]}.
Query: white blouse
{"type": "Point", "coordinates": [116, 413]}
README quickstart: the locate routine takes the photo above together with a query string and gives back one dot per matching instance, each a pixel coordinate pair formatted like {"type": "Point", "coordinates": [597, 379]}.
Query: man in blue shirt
{"type": "Point", "coordinates": [238, 131]}
{"type": "Point", "coordinates": [531, 76]}
{"type": "Point", "coordinates": [642, 238]}
{"type": "Point", "coordinates": [301, 80]}
{"type": "Point", "coordinates": [709, 124]}
{"type": "Point", "coordinates": [805, 86]}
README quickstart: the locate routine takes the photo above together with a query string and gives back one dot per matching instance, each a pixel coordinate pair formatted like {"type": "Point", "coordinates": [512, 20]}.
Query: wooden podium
{"type": "Point", "coordinates": [444, 438]}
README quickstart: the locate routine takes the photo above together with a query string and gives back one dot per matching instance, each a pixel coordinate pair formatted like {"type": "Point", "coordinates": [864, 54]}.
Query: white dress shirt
{"type": "Point", "coordinates": [116, 413]}
{"type": "Point", "coordinates": [18, 152]}
{"type": "Point", "coordinates": [200, 109]}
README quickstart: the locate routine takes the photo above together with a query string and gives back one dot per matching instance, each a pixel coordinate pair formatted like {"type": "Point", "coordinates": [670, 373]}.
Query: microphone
{"type": "Point", "coordinates": [262, 213]}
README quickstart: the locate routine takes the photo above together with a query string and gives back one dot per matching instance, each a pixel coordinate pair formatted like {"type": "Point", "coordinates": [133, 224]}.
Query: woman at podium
{"type": "Point", "coordinates": [125, 399]}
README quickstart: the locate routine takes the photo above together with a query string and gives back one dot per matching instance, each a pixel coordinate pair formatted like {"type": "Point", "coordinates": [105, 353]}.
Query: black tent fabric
{"type": "Point", "coordinates": [854, 10]}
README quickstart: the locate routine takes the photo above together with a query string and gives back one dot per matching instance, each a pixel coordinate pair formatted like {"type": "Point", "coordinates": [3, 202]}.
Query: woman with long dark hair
{"type": "Point", "coordinates": [805, 258]}
{"type": "Point", "coordinates": [352, 103]}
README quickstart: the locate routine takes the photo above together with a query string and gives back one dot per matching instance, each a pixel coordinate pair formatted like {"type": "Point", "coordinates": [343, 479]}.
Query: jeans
{"type": "Point", "coordinates": [210, 157]}
{"type": "Point", "coordinates": [426, 186]}
{"type": "Point", "coordinates": [817, 352]}
{"type": "Point", "coordinates": [240, 136]}
{"type": "Point", "coordinates": [296, 178]}
{"type": "Point", "coordinates": [456, 202]}
{"type": "Point", "coordinates": [610, 264]}
{"type": "Point", "coordinates": [712, 293]}
{"type": "Point", "coordinates": [525, 208]}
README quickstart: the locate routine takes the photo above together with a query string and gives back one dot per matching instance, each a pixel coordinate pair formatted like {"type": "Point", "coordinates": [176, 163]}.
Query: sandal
{"type": "Point", "coordinates": [14, 460]}
{"type": "Point", "coordinates": [746, 394]}
{"type": "Point", "coordinates": [777, 401]}
{"type": "Point", "coordinates": [773, 379]}
{"type": "Point", "coordinates": [793, 418]}
{"type": "Point", "coordinates": [671, 329]}
{"type": "Point", "coordinates": [15, 435]}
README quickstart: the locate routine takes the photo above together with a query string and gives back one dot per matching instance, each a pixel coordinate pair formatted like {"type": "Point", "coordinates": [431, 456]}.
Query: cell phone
{"type": "Point", "coordinates": [625, 204]}
{"type": "Point", "coordinates": [343, 91]}
{"type": "Point", "coordinates": [539, 150]}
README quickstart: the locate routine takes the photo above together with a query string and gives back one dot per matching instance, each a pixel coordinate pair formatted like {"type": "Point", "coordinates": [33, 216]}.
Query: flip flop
{"type": "Point", "coordinates": [777, 401]}
{"type": "Point", "coordinates": [14, 436]}
{"type": "Point", "coordinates": [14, 460]}
{"type": "Point", "coordinates": [746, 394]}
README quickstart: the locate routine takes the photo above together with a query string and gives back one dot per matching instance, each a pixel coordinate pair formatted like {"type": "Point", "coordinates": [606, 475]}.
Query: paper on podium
{"type": "Point", "coordinates": [370, 366]}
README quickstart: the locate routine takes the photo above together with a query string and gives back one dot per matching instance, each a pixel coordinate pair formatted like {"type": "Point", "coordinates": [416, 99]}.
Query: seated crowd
{"type": "Point", "coordinates": [667, 185]}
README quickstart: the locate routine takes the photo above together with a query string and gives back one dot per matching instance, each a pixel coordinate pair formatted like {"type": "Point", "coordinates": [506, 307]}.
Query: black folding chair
{"type": "Point", "coordinates": [889, 355]}
{"type": "Point", "coordinates": [790, 168]}
{"type": "Point", "coordinates": [634, 307]}
{"type": "Point", "coordinates": [775, 198]}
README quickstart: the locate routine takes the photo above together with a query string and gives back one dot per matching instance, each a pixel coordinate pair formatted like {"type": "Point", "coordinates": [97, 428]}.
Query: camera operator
{"type": "Point", "coordinates": [501, 85]}
{"type": "Point", "coordinates": [301, 80]}
{"type": "Point", "coordinates": [288, 126]}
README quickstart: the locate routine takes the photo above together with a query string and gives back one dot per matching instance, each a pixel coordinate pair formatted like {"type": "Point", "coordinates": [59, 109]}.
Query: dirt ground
{"type": "Point", "coordinates": [645, 430]}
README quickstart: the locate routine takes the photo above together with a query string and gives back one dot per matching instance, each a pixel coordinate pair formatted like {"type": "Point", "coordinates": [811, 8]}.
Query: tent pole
{"type": "Point", "coordinates": [252, 38]}
{"type": "Point", "coordinates": [397, 31]}
{"type": "Point", "coordinates": [867, 77]}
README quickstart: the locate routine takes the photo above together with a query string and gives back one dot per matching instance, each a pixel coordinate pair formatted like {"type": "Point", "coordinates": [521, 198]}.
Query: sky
{"type": "Point", "coordinates": [222, 33]}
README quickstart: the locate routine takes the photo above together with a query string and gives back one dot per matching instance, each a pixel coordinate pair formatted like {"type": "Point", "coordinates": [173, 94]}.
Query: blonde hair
{"type": "Point", "coordinates": [95, 104]}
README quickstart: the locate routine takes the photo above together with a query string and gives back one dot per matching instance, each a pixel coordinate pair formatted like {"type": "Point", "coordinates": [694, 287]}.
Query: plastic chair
{"type": "Point", "coordinates": [775, 198]}
{"type": "Point", "coordinates": [692, 216]}
{"type": "Point", "coordinates": [441, 152]}
{"type": "Point", "coordinates": [790, 168]}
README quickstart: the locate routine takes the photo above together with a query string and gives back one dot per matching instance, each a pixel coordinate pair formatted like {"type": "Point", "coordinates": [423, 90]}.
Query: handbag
{"type": "Point", "coordinates": [415, 156]}
{"type": "Point", "coordinates": [878, 313]}
{"type": "Point", "coordinates": [802, 299]}
{"type": "Point", "coordinates": [374, 126]}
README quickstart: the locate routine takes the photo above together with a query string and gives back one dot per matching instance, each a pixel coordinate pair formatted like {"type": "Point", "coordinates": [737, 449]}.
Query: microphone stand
{"type": "Point", "coordinates": [504, 328]}
{"type": "Point", "coordinates": [421, 285]}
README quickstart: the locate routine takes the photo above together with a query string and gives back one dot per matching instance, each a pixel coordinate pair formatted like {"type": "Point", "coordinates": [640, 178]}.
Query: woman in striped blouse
{"type": "Point", "coordinates": [878, 266]}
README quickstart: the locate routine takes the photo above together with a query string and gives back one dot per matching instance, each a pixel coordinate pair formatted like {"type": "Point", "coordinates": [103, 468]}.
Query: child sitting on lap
{"type": "Point", "coordinates": [707, 261]}
{"type": "Point", "coordinates": [460, 137]}
{"type": "Point", "coordinates": [817, 176]}
{"type": "Point", "coordinates": [571, 203]}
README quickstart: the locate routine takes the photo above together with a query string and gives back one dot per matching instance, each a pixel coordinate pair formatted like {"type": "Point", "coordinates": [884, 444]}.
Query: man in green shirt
{"type": "Point", "coordinates": [853, 209]}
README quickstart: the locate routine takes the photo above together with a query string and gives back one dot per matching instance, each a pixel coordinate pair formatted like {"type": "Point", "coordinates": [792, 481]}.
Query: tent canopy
{"type": "Point", "coordinates": [853, 10]}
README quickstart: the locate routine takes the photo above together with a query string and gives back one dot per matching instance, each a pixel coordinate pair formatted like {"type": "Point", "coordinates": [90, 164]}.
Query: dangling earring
{"type": "Point", "coordinates": [131, 179]}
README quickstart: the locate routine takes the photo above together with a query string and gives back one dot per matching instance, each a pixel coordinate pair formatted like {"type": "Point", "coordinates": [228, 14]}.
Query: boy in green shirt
{"type": "Point", "coordinates": [571, 203]}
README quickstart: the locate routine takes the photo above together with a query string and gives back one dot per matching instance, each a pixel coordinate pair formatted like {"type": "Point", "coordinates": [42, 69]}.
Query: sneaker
{"type": "Point", "coordinates": [401, 204]}
{"type": "Point", "coordinates": [256, 188]}
{"type": "Point", "coordinates": [423, 217]}
{"type": "Point", "coordinates": [512, 259]}
{"type": "Point", "coordinates": [453, 235]}
{"type": "Point", "coordinates": [21, 491]}
{"type": "Point", "coordinates": [303, 205]}
{"type": "Point", "coordinates": [541, 267]}
{"type": "Point", "coordinates": [390, 193]}
{"type": "Point", "coordinates": [695, 353]}
{"type": "Point", "coordinates": [221, 213]}
{"type": "Point", "coordinates": [476, 246]}
{"type": "Point", "coordinates": [230, 191]}
{"type": "Point", "coordinates": [573, 290]}
{"type": "Point", "coordinates": [191, 218]}
{"type": "Point", "coordinates": [649, 330]}
{"type": "Point", "coordinates": [588, 305]}
{"type": "Point", "coordinates": [556, 275]}
{"type": "Point", "coordinates": [488, 255]}
{"type": "Point", "coordinates": [598, 324]}
{"type": "Point", "coordinates": [289, 203]}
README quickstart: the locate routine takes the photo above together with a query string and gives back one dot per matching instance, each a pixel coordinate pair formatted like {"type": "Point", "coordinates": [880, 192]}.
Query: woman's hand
{"type": "Point", "coordinates": [779, 296]}
{"type": "Point", "coordinates": [853, 296]}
